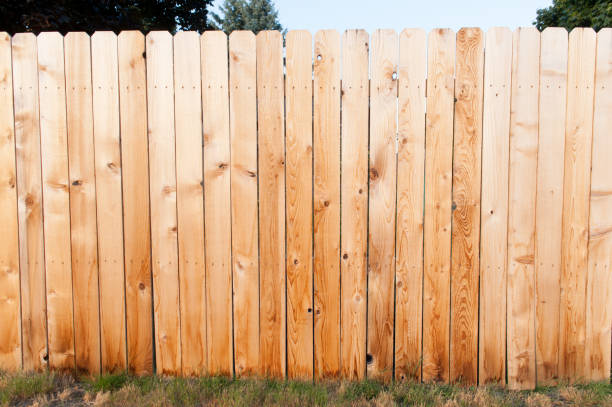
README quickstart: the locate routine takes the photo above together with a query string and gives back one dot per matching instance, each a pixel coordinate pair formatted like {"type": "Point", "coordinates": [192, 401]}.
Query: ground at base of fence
{"type": "Point", "coordinates": [53, 389]}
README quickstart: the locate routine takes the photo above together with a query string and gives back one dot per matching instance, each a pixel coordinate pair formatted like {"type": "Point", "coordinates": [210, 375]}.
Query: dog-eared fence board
{"type": "Point", "coordinates": [87, 156]}
{"type": "Point", "coordinates": [10, 312]}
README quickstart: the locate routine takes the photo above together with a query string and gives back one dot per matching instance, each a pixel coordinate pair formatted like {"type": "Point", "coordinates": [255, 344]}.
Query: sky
{"type": "Point", "coordinates": [314, 15]}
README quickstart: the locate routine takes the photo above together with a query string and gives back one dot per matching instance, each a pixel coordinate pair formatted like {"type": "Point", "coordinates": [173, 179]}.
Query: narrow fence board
{"type": "Point", "coordinates": [164, 250]}
{"type": "Point", "coordinates": [189, 202]}
{"type": "Point", "coordinates": [410, 182]}
{"type": "Point", "coordinates": [82, 201]}
{"type": "Point", "coordinates": [466, 206]}
{"type": "Point", "coordinates": [382, 200]}
{"type": "Point", "coordinates": [29, 203]}
{"type": "Point", "coordinates": [521, 211]}
{"type": "Point", "coordinates": [245, 240]}
{"type": "Point", "coordinates": [298, 120]}
{"type": "Point", "coordinates": [271, 146]}
{"type": "Point", "coordinates": [10, 321]}
{"type": "Point", "coordinates": [549, 199]}
{"type": "Point", "coordinates": [438, 185]}
{"type": "Point", "coordinates": [189, 199]}
{"type": "Point", "coordinates": [599, 279]}
{"type": "Point", "coordinates": [576, 195]}
{"type": "Point", "coordinates": [136, 218]}
{"type": "Point", "coordinates": [105, 88]}
{"type": "Point", "coordinates": [56, 200]}
{"type": "Point", "coordinates": [354, 203]}
{"type": "Point", "coordinates": [326, 179]}
{"type": "Point", "coordinates": [215, 100]}
{"type": "Point", "coordinates": [494, 206]}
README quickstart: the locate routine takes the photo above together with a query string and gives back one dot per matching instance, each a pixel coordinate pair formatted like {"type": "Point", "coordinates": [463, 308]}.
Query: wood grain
{"type": "Point", "coordinates": [466, 206]}
{"type": "Point", "coordinates": [10, 312]}
{"type": "Point", "coordinates": [494, 206]}
{"type": "Point", "coordinates": [382, 194]}
{"type": "Point", "coordinates": [215, 100]}
{"type": "Point", "coordinates": [354, 203]}
{"type": "Point", "coordinates": [326, 178]}
{"type": "Point", "coordinates": [271, 148]}
{"type": "Point", "coordinates": [549, 199]}
{"type": "Point", "coordinates": [245, 240]}
{"type": "Point", "coordinates": [576, 198]}
{"type": "Point", "coordinates": [298, 119]}
{"type": "Point", "coordinates": [599, 279]}
{"type": "Point", "coordinates": [136, 218]}
{"type": "Point", "coordinates": [56, 200]}
{"type": "Point", "coordinates": [438, 186]}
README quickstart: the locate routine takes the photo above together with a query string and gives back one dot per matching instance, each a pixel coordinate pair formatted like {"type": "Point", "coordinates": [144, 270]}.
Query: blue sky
{"type": "Point", "coordinates": [371, 14]}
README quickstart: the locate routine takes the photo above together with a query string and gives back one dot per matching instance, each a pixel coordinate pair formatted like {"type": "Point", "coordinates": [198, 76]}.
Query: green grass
{"type": "Point", "coordinates": [53, 389]}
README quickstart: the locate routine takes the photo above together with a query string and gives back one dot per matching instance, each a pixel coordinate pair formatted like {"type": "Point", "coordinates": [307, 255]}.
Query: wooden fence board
{"type": "Point", "coordinates": [10, 320]}
{"type": "Point", "coordinates": [164, 256]}
{"type": "Point", "coordinates": [105, 93]}
{"type": "Point", "coordinates": [56, 200]}
{"type": "Point", "coordinates": [29, 202]}
{"type": "Point", "coordinates": [271, 147]}
{"type": "Point", "coordinates": [494, 206]}
{"type": "Point", "coordinates": [382, 195]}
{"type": "Point", "coordinates": [326, 179]}
{"type": "Point", "coordinates": [410, 183]}
{"type": "Point", "coordinates": [438, 185]}
{"type": "Point", "coordinates": [79, 116]}
{"type": "Point", "coordinates": [299, 205]}
{"type": "Point", "coordinates": [466, 206]}
{"type": "Point", "coordinates": [549, 199]}
{"type": "Point", "coordinates": [354, 202]}
{"type": "Point", "coordinates": [136, 215]}
{"type": "Point", "coordinates": [576, 196]}
{"type": "Point", "coordinates": [190, 201]}
{"type": "Point", "coordinates": [215, 101]}
{"type": "Point", "coordinates": [599, 279]}
{"type": "Point", "coordinates": [244, 181]}
{"type": "Point", "coordinates": [521, 211]}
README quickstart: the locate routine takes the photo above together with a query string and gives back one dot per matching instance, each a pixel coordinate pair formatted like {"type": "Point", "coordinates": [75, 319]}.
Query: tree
{"type": "Point", "coordinates": [253, 15]}
{"type": "Point", "coordinates": [575, 13]}
{"type": "Point", "coordinates": [92, 15]}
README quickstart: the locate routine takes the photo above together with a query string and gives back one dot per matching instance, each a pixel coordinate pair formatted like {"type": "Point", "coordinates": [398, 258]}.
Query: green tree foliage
{"type": "Point", "coordinates": [254, 15]}
{"type": "Point", "coordinates": [92, 15]}
{"type": "Point", "coordinates": [575, 13]}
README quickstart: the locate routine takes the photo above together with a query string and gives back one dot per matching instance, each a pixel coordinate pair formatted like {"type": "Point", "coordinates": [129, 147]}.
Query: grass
{"type": "Point", "coordinates": [54, 389]}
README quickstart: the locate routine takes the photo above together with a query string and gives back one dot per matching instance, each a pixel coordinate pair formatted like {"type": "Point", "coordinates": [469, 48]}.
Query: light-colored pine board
{"type": "Point", "coordinates": [56, 200]}
{"type": "Point", "coordinates": [438, 185]}
{"type": "Point", "coordinates": [162, 186]}
{"type": "Point", "coordinates": [105, 93]}
{"type": "Point", "coordinates": [494, 206]}
{"type": "Point", "coordinates": [271, 148]}
{"type": "Point", "coordinates": [136, 218]}
{"type": "Point", "coordinates": [29, 202]}
{"type": "Point", "coordinates": [245, 241]}
{"type": "Point", "coordinates": [599, 279]}
{"type": "Point", "coordinates": [298, 111]}
{"type": "Point", "coordinates": [189, 200]}
{"type": "Point", "coordinates": [465, 266]}
{"type": "Point", "coordinates": [354, 203]}
{"type": "Point", "coordinates": [549, 199]}
{"type": "Point", "coordinates": [326, 223]}
{"type": "Point", "coordinates": [521, 209]}
{"type": "Point", "coordinates": [10, 320]}
{"type": "Point", "coordinates": [576, 199]}
{"type": "Point", "coordinates": [410, 183]}
{"type": "Point", "coordinates": [382, 195]}
{"type": "Point", "coordinates": [79, 116]}
{"type": "Point", "coordinates": [215, 102]}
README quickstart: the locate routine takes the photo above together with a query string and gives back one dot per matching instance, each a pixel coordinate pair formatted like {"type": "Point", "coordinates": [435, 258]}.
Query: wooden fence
{"type": "Point", "coordinates": [429, 208]}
